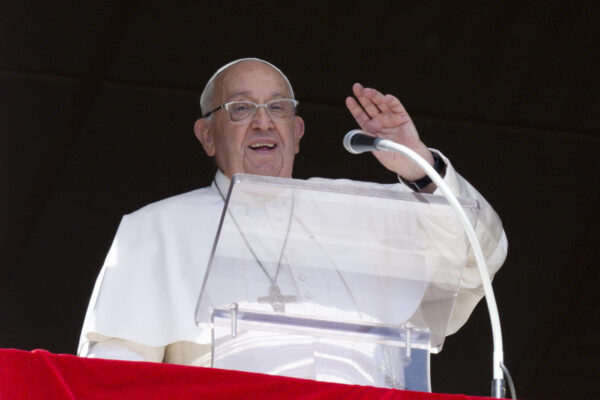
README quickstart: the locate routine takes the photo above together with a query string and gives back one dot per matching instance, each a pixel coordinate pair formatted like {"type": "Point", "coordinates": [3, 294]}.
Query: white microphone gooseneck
{"type": "Point", "coordinates": [355, 143]}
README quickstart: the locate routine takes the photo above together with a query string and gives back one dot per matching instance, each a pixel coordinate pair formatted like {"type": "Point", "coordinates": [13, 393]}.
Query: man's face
{"type": "Point", "coordinates": [257, 145]}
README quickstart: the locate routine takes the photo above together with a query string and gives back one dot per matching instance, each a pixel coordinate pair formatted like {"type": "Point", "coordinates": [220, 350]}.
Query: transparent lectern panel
{"type": "Point", "coordinates": [308, 348]}
{"type": "Point", "coordinates": [336, 251]}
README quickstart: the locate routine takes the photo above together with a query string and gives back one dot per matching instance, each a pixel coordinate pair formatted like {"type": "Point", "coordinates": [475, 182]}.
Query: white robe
{"type": "Point", "coordinates": [143, 303]}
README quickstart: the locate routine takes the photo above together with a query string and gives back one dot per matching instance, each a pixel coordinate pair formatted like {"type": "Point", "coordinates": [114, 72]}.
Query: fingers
{"type": "Point", "coordinates": [357, 112]}
{"type": "Point", "coordinates": [374, 102]}
{"type": "Point", "coordinates": [394, 104]}
{"type": "Point", "coordinates": [374, 108]}
{"type": "Point", "coordinates": [371, 100]}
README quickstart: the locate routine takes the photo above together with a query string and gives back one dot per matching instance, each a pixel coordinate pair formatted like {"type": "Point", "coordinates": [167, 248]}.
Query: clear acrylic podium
{"type": "Point", "coordinates": [337, 281]}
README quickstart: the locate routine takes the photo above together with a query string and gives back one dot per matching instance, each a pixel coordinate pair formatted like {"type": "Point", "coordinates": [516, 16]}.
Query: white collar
{"type": "Point", "coordinates": [222, 182]}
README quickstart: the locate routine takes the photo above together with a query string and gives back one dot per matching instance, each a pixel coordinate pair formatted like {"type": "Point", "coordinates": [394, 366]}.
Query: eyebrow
{"type": "Point", "coordinates": [247, 94]}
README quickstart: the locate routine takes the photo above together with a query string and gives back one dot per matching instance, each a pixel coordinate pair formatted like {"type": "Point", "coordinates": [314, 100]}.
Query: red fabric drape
{"type": "Point", "coordinates": [43, 375]}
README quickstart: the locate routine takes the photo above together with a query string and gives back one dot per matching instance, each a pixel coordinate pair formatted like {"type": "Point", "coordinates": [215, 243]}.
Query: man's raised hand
{"type": "Point", "coordinates": [385, 117]}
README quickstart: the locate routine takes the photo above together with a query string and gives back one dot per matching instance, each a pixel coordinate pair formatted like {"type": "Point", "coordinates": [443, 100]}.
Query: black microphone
{"type": "Point", "coordinates": [356, 142]}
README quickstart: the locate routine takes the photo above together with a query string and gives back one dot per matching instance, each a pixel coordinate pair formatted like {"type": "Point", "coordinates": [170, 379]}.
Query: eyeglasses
{"type": "Point", "coordinates": [277, 109]}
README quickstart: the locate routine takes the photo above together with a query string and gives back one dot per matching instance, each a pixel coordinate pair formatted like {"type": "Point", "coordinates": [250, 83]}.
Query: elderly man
{"type": "Point", "coordinates": [143, 304]}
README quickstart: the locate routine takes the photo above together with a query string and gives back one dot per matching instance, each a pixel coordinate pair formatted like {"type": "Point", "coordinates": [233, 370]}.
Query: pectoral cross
{"type": "Point", "coordinates": [276, 299]}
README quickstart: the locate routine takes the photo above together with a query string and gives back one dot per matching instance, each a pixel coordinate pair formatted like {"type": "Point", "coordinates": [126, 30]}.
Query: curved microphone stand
{"type": "Point", "coordinates": [498, 387]}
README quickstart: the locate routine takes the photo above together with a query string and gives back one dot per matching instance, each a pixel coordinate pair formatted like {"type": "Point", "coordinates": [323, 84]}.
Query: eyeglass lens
{"type": "Point", "coordinates": [281, 109]}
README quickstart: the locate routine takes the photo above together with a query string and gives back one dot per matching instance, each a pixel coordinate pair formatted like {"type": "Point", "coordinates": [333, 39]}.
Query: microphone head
{"type": "Point", "coordinates": [348, 141]}
{"type": "Point", "coordinates": [357, 141]}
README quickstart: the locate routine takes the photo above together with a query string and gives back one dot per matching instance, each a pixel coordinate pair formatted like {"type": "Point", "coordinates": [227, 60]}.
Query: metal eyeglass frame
{"type": "Point", "coordinates": [256, 107]}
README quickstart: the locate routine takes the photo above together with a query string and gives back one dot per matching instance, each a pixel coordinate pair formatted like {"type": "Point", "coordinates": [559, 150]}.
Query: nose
{"type": "Point", "coordinates": [261, 119]}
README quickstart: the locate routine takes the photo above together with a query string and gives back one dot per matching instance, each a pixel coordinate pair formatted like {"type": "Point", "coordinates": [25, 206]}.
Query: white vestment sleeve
{"type": "Point", "coordinates": [493, 243]}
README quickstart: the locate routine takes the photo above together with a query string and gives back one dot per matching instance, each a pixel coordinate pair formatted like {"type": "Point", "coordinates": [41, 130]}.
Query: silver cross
{"type": "Point", "coordinates": [276, 299]}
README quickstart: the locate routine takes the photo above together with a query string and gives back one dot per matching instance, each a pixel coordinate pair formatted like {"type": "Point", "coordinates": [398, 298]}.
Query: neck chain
{"type": "Point", "coordinates": [275, 298]}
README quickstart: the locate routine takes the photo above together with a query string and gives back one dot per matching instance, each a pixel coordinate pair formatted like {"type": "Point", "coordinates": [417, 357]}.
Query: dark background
{"type": "Point", "coordinates": [98, 100]}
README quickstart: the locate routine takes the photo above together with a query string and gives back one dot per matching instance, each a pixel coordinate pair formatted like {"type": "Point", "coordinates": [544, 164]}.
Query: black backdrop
{"type": "Point", "coordinates": [98, 99]}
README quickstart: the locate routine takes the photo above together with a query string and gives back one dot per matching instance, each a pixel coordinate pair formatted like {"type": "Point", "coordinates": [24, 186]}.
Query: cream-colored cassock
{"type": "Point", "coordinates": [142, 307]}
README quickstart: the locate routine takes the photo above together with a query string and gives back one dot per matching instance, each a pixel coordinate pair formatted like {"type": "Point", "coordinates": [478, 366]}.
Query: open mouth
{"type": "Point", "coordinates": [262, 146]}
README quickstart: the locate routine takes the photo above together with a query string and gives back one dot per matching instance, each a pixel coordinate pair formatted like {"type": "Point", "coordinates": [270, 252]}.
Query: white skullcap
{"type": "Point", "coordinates": [224, 67]}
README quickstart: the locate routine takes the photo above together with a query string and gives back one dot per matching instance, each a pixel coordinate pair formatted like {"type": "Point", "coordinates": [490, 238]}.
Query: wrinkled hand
{"type": "Point", "coordinates": [385, 117]}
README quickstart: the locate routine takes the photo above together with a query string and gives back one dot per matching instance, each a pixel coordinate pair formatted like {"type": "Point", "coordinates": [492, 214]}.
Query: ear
{"type": "Point", "coordinates": [298, 132]}
{"type": "Point", "coordinates": [202, 132]}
